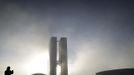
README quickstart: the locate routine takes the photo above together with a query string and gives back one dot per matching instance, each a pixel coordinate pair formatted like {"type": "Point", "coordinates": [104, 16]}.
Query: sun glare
{"type": "Point", "coordinates": [37, 64]}
{"type": "Point", "coordinates": [58, 70]}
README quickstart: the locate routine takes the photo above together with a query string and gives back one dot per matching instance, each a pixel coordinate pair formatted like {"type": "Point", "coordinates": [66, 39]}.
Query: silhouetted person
{"type": "Point", "coordinates": [8, 71]}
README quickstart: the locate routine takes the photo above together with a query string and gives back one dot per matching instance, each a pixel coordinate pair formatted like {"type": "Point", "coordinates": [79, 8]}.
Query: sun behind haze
{"type": "Point", "coordinates": [99, 34]}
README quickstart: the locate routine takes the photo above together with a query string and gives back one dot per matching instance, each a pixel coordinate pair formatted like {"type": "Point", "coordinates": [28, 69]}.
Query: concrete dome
{"type": "Point", "coordinates": [129, 71]}
{"type": "Point", "coordinates": [38, 74]}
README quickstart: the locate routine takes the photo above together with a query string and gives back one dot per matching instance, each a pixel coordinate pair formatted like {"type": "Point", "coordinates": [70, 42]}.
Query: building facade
{"type": "Point", "coordinates": [61, 49]}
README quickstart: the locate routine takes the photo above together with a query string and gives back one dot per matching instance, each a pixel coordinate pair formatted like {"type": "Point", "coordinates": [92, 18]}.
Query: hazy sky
{"type": "Point", "coordinates": [100, 34]}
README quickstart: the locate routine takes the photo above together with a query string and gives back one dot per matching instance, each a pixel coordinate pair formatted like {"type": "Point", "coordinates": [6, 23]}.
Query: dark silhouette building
{"type": "Point", "coordinates": [53, 55]}
{"type": "Point", "coordinates": [61, 50]}
{"type": "Point", "coordinates": [63, 56]}
{"type": "Point", "coordinates": [129, 71]}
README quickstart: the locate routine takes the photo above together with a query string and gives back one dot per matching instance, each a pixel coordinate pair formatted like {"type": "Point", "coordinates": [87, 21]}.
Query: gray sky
{"type": "Point", "coordinates": [100, 34]}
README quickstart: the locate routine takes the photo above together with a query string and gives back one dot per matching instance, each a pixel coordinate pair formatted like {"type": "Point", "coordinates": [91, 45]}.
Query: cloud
{"type": "Point", "coordinates": [99, 54]}
{"type": "Point", "coordinates": [22, 36]}
{"type": "Point", "coordinates": [95, 34]}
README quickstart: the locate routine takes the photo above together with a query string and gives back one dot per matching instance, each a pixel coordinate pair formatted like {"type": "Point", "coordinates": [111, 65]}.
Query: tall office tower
{"type": "Point", "coordinates": [63, 56]}
{"type": "Point", "coordinates": [53, 55]}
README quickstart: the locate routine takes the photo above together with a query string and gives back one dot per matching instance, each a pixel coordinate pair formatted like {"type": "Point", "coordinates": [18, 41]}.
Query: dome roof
{"type": "Point", "coordinates": [38, 74]}
{"type": "Point", "coordinates": [126, 71]}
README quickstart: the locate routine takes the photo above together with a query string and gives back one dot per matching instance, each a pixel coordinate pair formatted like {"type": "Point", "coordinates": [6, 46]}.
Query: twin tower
{"type": "Point", "coordinates": [58, 49]}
